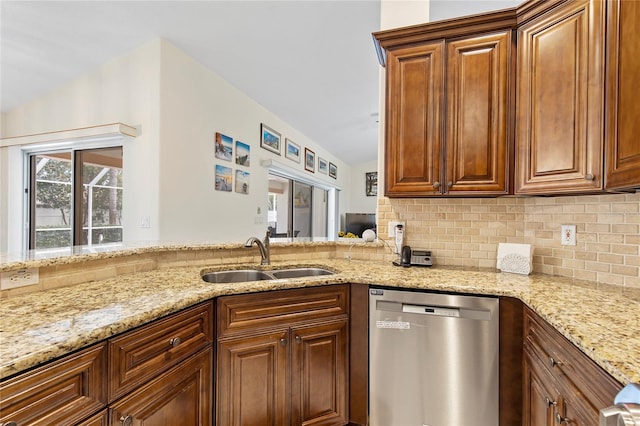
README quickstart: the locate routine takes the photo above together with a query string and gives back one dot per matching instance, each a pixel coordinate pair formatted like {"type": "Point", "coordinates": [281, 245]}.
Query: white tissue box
{"type": "Point", "coordinates": [515, 258]}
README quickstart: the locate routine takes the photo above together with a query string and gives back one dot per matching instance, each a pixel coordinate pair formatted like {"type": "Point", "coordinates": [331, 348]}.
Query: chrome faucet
{"type": "Point", "coordinates": [263, 246]}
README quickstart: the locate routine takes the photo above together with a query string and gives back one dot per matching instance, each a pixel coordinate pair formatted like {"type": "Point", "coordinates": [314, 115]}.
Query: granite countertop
{"type": "Point", "coordinates": [600, 320]}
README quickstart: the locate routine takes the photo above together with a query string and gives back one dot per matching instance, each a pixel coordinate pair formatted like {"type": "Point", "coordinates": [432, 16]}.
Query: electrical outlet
{"type": "Point", "coordinates": [568, 235]}
{"type": "Point", "coordinates": [392, 228]}
{"type": "Point", "coordinates": [19, 278]}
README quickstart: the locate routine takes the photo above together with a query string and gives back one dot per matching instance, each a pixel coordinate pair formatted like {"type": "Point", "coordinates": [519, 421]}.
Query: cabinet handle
{"type": "Point", "coordinates": [283, 342]}
{"type": "Point", "coordinates": [436, 185]}
{"type": "Point", "coordinates": [298, 339]}
{"type": "Point", "coordinates": [561, 419]}
{"type": "Point", "coordinates": [553, 362]}
{"type": "Point", "coordinates": [589, 176]}
{"type": "Point", "coordinates": [9, 424]}
{"type": "Point", "coordinates": [126, 420]}
{"type": "Point", "coordinates": [549, 402]}
{"type": "Point", "coordinates": [175, 342]}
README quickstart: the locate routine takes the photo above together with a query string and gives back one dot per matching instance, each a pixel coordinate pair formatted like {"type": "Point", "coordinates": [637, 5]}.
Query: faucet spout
{"type": "Point", "coordinates": [263, 247]}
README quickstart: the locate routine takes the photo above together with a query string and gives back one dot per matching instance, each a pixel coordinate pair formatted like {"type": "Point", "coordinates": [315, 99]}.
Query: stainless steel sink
{"type": "Point", "coordinates": [300, 272]}
{"type": "Point", "coordinates": [237, 276]}
{"type": "Point", "coordinates": [243, 275]}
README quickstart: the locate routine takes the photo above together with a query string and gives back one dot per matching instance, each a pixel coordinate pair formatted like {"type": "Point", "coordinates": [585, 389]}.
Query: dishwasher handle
{"type": "Point", "coordinates": [438, 311]}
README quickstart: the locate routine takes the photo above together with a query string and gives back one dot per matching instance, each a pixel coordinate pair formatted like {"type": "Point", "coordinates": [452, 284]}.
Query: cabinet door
{"type": "Point", "coordinates": [413, 124]}
{"type": "Point", "coordinates": [60, 393]}
{"type": "Point", "coordinates": [252, 380]}
{"type": "Point", "coordinates": [623, 112]}
{"type": "Point", "coordinates": [319, 371]}
{"type": "Point", "coordinates": [560, 100]}
{"type": "Point", "coordinates": [478, 117]}
{"type": "Point", "coordinates": [181, 396]}
{"type": "Point", "coordinates": [540, 397]}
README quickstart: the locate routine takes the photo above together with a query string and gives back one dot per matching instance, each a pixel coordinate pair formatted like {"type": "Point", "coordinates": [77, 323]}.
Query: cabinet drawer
{"type": "Point", "coordinates": [567, 364]}
{"type": "Point", "coordinates": [141, 354]}
{"type": "Point", "coordinates": [247, 312]}
{"type": "Point", "coordinates": [60, 393]}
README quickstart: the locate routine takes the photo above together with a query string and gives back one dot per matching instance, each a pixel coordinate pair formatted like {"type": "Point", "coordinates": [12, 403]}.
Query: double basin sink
{"type": "Point", "coordinates": [244, 275]}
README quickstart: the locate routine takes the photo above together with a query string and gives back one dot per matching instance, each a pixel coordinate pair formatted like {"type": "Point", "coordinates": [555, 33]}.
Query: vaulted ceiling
{"type": "Point", "coordinates": [311, 63]}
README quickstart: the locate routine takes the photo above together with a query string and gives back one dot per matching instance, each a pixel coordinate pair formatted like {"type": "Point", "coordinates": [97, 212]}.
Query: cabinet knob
{"type": "Point", "coordinates": [554, 362]}
{"type": "Point", "coordinates": [298, 339]}
{"type": "Point", "coordinates": [9, 424]}
{"type": "Point", "coordinates": [283, 342]}
{"type": "Point", "coordinates": [175, 342]}
{"type": "Point", "coordinates": [589, 176]}
{"type": "Point", "coordinates": [549, 402]}
{"type": "Point", "coordinates": [562, 420]}
{"type": "Point", "coordinates": [449, 184]}
{"type": "Point", "coordinates": [126, 420]}
{"type": "Point", "coordinates": [436, 185]}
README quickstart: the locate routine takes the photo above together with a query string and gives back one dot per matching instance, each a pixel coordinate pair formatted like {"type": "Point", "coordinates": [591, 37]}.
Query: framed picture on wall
{"type": "Point", "coordinates": [292, 150]}
{"type": "Point", "coordinates": [242, 154]}
{"type": "Point", "coordinates": [242, 182]}
{"type": "Point", "coordinates": [224, 178]}
{"type": "Point", "coordinates": [309, 160]}
{"type": "Point", "coordinates": [323, 166]}
{"type": "Point", "coordinates": [224, 146]}
{"type": "Point", "coordinates": [371, 184]}
{"type": "Point", "coordinates": [269, 139]}
{"type": "Point", "coordinates": [333, 171]}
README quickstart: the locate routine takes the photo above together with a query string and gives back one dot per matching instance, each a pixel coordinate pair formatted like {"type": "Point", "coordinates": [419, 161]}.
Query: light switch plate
{"type": "Point", "coordinates": [568, 235]}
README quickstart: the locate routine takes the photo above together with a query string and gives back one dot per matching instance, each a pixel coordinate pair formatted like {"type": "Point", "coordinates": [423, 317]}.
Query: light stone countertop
{"type": "Point", "coordinates": [601, 320]}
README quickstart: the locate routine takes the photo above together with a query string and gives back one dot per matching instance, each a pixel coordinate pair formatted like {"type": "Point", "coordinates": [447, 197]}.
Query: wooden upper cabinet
{"type": "Point", "coordinates": [560, 92]}
{"type": "Point", "coordinates": [448, 115]}
{"type": "Point", "coordinates": [415, 88]}
{"type": "Point", "coordinates": [622, 128]}
{"type": "Point", "coordinates": [478, 125]}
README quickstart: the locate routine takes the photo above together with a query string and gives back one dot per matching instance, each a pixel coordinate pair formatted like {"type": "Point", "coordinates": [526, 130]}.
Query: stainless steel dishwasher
{"type": "Point", "coordinates": [433, 359]}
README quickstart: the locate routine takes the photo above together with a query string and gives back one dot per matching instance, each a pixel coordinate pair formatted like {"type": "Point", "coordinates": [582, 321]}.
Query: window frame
{"type": "Point", "coordinates": [75, 147]}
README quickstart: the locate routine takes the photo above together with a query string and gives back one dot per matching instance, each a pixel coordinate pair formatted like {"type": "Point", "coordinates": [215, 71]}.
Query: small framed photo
{"type": "Point", "coordinates": [242, 182]}
{"type": "Point", "coordinates": [292, 150]}
{"type": "Point", "coordinates": [224, 146]}
{"type": "Point", "coordinates": [269, 139]}
{"type": "Point", "coordinates": [371, 184]}
{"type": "Point", "coordinates": [242, 154]}
{"type": "Point", "coordinates": [333, 170]}
{"type": "Point", "coordinates": [309, 160]}
{"type": "Point", "coordinates": [223, 178]}
{"type": "Point", "coordinates": [323, 166]}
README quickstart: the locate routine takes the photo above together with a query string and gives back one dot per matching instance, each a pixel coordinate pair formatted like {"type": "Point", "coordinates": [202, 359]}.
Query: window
{"type": "Point", "coordinates": [297, 209]}
{"type": "Point", "coordinates": [75, 197]}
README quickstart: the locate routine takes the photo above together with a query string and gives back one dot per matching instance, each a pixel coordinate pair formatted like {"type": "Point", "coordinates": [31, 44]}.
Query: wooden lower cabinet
{"type": "Point", "coordinates": [252, 380]}
{"type": "Point", "coordinates": [561, 385]}
{"type": "Point", "coordinates": [285, 372]}
{"type": "Point", "coordinates": [319, 373]}
{"type": "Point", "coordinates": [157, 374]}
{"type": "Point", "coordinates": [60, 393]}
{"type": "Point", "coordinates": [100, 419]}
{"type": "Point", "coordinates": [181, 396]}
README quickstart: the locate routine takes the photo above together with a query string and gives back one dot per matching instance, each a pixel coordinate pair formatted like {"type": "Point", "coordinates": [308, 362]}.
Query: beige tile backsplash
{"type": "Point", "coordinates": [466, 232]}
{"type": "Point", "coordinates": [459, 232]}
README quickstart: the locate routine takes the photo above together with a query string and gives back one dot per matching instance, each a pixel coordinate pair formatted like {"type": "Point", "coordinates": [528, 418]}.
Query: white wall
{"type": "Point", "coordinates": [197, 103]}
{"type": "Point", "coordinates": [444, 9]}
{"type": "Point", "coordinates": [359, 201]}
{"type": "Point", "coordinates": [124, 90]}
{"type": "Point", "coordinates": [169, 169]}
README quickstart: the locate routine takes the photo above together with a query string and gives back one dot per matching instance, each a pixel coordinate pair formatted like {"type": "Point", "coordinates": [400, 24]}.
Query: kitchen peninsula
{"type": "Point", "coordinates": [116, 291]}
